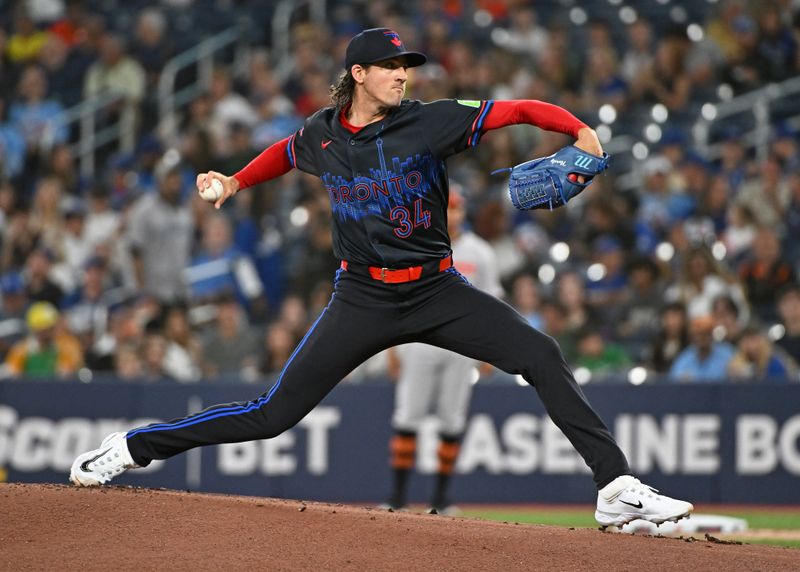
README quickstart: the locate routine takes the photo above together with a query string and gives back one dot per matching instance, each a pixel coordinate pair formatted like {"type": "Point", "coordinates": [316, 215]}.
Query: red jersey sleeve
{"type": "Point", "coordinates": [273, 162]}
{"type": "Point", "coordinates": [544, 115]}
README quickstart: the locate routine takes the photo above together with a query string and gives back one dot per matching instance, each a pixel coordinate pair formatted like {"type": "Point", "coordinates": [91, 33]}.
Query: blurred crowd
{"type": "Point", "coordinates": [690, 276]}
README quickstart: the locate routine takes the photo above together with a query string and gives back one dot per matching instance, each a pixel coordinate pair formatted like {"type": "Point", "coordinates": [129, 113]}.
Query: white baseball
{"type": "Point", "coordinates": [213, 192]}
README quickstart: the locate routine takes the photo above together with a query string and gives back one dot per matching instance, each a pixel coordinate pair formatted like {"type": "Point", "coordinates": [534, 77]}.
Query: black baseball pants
{"type": "Point", "coordinates": [366, 316]}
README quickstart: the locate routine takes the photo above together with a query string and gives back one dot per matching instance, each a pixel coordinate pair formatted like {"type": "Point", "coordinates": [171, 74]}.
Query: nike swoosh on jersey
{"type": "Point", "coordinates": [326, 143]}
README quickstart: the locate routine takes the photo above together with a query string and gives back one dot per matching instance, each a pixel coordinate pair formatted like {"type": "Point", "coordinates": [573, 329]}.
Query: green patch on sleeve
{"type": "Point", "coordinates": [469, 102]}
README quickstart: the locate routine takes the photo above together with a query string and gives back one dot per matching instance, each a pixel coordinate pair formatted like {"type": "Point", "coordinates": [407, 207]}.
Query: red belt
{"type": "Point", "coordinates": [399, 275]}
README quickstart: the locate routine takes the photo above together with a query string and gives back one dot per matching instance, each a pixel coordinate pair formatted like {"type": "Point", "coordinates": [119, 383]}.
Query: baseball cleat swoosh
{"type": "Point", "coordinates": [85, 465]}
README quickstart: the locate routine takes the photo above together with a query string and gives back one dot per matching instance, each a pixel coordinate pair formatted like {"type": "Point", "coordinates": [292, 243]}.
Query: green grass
{"type": "Point", "coordinates": [584, 518]}
{"type": "Point", "coordinates": [579, 518]}
{"type": "Point", "coordinates": [777, 520]}
{"type": "Point", "coordinates": [774, 542]}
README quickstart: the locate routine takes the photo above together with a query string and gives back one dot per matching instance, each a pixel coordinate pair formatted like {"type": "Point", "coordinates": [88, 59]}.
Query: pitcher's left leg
{"type": "Point", "coordinates": [477, 325]}
{"type": "Point", "coordinates": [468, 321]}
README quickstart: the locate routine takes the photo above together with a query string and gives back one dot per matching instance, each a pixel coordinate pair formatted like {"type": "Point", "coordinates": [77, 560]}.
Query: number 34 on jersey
{"type": "Point", "coordinates": [408, 222]}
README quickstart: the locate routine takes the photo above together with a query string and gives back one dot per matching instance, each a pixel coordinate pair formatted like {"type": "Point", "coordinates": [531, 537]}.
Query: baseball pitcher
{"type": "Point", "coordinates": [382, 160]}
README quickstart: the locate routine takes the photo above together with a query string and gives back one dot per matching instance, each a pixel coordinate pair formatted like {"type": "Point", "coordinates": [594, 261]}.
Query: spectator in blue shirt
{"type": "Point", "coordinates": [704, 360]}
{"type": "Point", "coordinates": [220, 268]}
{"type": "Point", "coordinates": [661, 206]}
{"type": "Point", "coordinates": [12, 147]}
{"type": "Point", "coordinates": [758, 359]}
{"type": "Point", "coordinates": [33, 114]}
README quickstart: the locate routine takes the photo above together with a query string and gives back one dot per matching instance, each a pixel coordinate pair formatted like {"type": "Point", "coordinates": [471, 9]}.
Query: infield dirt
{"type": "Point", "coordinates": [53, 527]}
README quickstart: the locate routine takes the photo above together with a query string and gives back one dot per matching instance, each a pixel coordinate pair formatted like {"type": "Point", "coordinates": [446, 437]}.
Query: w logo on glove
{"type": "Point", "coordinates": [550, 182]}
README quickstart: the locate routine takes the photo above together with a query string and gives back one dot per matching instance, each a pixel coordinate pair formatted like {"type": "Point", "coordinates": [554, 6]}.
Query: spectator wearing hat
{"type": "Point", "coordinates": [696, 171]}
{"type": "Point", "coordinates": [673, 145]}
{"type": "Point", "coordinates": [784, 145]}
{"type": "Point", "coordinates": [789, 310]}
{"type": "Point", "coordinates": [758, 359]}
{"type": "Point", "coordinates": [704, 360]}
{"type": "Point", "coordinates": [145, 163]}
{"type": "Point", "coordinates": [160, 232]}
{"type": "Point", "coordinates": [606, 293]}
{"type": "Point", "coordinates": [733, 157]}
{"type": "Point", "coordinates": [714, 203]}
{"type": "Point", "coordinates": [122, 180]}
{"type": "Point", "coordinates": [48, 351]}
{"type": "Point", "coordinates": [661, 205]}
{"type": "Point", "coordinates": [87, 308]}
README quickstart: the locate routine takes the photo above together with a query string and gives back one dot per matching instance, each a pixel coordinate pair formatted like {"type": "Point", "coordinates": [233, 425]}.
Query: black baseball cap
{"type": "Point", "coordinates": [378, 44]}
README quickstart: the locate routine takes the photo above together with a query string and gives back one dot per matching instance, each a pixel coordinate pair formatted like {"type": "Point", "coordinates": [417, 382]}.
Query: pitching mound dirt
{"type": "Point", "coordinates": [51, 527]}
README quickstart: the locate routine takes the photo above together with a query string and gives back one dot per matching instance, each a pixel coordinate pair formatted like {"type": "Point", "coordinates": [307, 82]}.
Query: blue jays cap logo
{"type": "Point", "coordinates": [371, 46]}
{"type": "Point", "coordinates": [394, 38]}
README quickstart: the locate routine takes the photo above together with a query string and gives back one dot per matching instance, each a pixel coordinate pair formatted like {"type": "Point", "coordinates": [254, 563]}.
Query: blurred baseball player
{"type": "Point", "coordinates": [382, 161]}
{"type": "Point", "coordinates": [433, 380]}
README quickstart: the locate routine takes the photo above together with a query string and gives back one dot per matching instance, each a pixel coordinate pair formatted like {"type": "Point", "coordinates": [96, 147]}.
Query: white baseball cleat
{"type": "Point", "coordinates": [626, 499]}
{"type": "Point", "coordinates": [100, 465]}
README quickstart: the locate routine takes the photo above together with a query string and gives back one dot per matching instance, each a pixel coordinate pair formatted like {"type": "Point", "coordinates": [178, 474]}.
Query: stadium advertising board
{"type": "Point", "coordinates": [709, 443]}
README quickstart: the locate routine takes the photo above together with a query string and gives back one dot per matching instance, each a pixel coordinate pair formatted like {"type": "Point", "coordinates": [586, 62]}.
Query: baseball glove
{"type": "Point", "coordinates": [550, 182]}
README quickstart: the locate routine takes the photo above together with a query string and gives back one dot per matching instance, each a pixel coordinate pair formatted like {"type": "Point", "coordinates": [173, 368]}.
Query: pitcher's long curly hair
{"type": "Point", "coordinates": [342, 91]}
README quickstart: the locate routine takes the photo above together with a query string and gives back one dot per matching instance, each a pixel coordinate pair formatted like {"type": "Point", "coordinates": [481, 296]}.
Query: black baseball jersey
{"type": "Point", "coordinates": [387, 183]}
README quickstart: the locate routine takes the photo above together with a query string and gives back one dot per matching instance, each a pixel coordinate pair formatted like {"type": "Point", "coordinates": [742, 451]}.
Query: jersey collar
{"type": "Point", "coordinates": [345, 123]}
{"type": "Point", "coordinates": [355, 129]}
